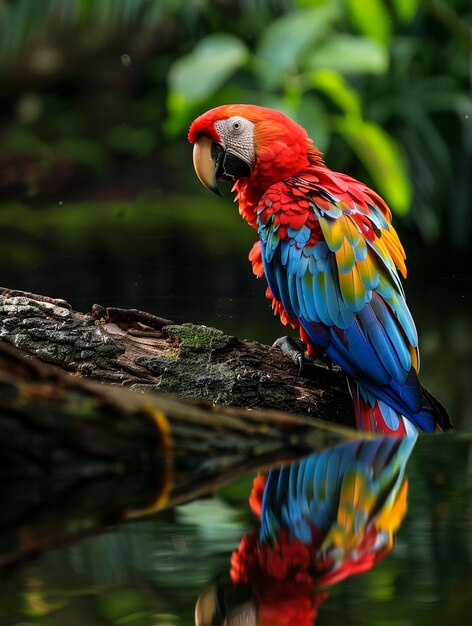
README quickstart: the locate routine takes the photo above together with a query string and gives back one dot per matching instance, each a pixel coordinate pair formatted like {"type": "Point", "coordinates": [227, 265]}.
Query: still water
{"type": "Point", "coordinates": [361, 532]}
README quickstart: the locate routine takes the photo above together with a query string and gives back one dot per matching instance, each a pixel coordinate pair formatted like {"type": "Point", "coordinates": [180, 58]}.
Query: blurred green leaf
{"type": "Point", "coordinates": [371, 18]}
{"type": "Point", "coordinates": [333, 85]}
{"type": "Point", "coordinates": [198, 74]}
{"type": "Point", "coordinates": [381, 157]}
{"type": "Point", "coordinates": [179, 114]}
{"type": "Point", "coordinates": [310, 3]}
{"type": "Point", "coordinates": [350, 54]}
{"type": "Point", "coordinates": [284, 40]}
{"type": "Point", "coordinates": [406, 9]}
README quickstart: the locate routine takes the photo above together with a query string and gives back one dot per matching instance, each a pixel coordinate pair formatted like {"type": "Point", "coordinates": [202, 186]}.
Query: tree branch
{"type": "Point", "coordinates": [148, 353]}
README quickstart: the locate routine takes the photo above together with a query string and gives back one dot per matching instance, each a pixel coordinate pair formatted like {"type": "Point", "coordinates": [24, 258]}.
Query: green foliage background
{"type": "Point", "coordinates": [383, 86]}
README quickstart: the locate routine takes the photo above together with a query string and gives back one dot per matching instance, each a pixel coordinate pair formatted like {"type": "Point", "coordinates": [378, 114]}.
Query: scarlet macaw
{"type": "Point", "coordinates": [320, 520]}
{"type": "Point", "coordinates": [331, 258]}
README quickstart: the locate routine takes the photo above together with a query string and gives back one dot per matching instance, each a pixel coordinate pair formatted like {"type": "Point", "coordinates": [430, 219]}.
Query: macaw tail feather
{"type": "Point", "coordinates": [443, 421]}
{"type": "Point", "coordinates": [377, 412]}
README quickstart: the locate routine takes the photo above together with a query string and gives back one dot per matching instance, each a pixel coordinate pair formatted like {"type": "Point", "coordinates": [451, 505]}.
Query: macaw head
{"type": "Point", "coordinates": [245, 141]}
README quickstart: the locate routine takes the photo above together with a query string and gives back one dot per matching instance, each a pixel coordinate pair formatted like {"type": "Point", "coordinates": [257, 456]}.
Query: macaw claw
{"type": "Point", "coordinates": [295, 349]}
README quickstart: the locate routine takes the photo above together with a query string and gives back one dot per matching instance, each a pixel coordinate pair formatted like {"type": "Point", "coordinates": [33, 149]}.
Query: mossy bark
{"type": "Point", "coordinates": [146, 353]}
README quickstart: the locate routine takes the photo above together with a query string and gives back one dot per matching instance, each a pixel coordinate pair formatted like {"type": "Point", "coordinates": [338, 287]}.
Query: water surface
{"type": "Point", "coordinates": [151, 572]}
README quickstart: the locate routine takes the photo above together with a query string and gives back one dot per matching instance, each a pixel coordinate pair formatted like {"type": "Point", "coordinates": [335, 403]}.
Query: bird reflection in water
{"type": "Point", "coordinates": [320, 520]}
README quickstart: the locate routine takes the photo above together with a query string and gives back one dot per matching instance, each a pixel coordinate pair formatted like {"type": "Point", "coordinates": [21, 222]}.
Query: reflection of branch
{"type": "Point", "coordinates": [77, 456]}
{"type": "Point", "coordinates": [450, 20]}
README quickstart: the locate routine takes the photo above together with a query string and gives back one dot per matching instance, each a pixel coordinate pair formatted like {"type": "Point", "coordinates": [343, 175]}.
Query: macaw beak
{"type": "Point", "coordinates": [206, 607]}
{"type": "Point", "coordinates": [205, 162]}
{"type": "Point", "coordinates": [213, 163]}
{"type": "Point", "coordinates": [225, 603]}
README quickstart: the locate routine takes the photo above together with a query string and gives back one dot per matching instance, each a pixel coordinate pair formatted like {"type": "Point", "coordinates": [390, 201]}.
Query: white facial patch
{"type": "Point", "coordinates": [237, 134]}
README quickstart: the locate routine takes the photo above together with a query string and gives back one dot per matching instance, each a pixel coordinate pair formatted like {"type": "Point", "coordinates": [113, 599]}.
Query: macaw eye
{"type": "Point", "coordinates": [236, 124]}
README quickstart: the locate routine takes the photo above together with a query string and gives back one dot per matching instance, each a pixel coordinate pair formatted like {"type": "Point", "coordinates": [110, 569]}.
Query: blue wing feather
{"type": "Point", "coordinates": [304, 497]}
{"type": "Point", "coordinates": [363, 324]}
